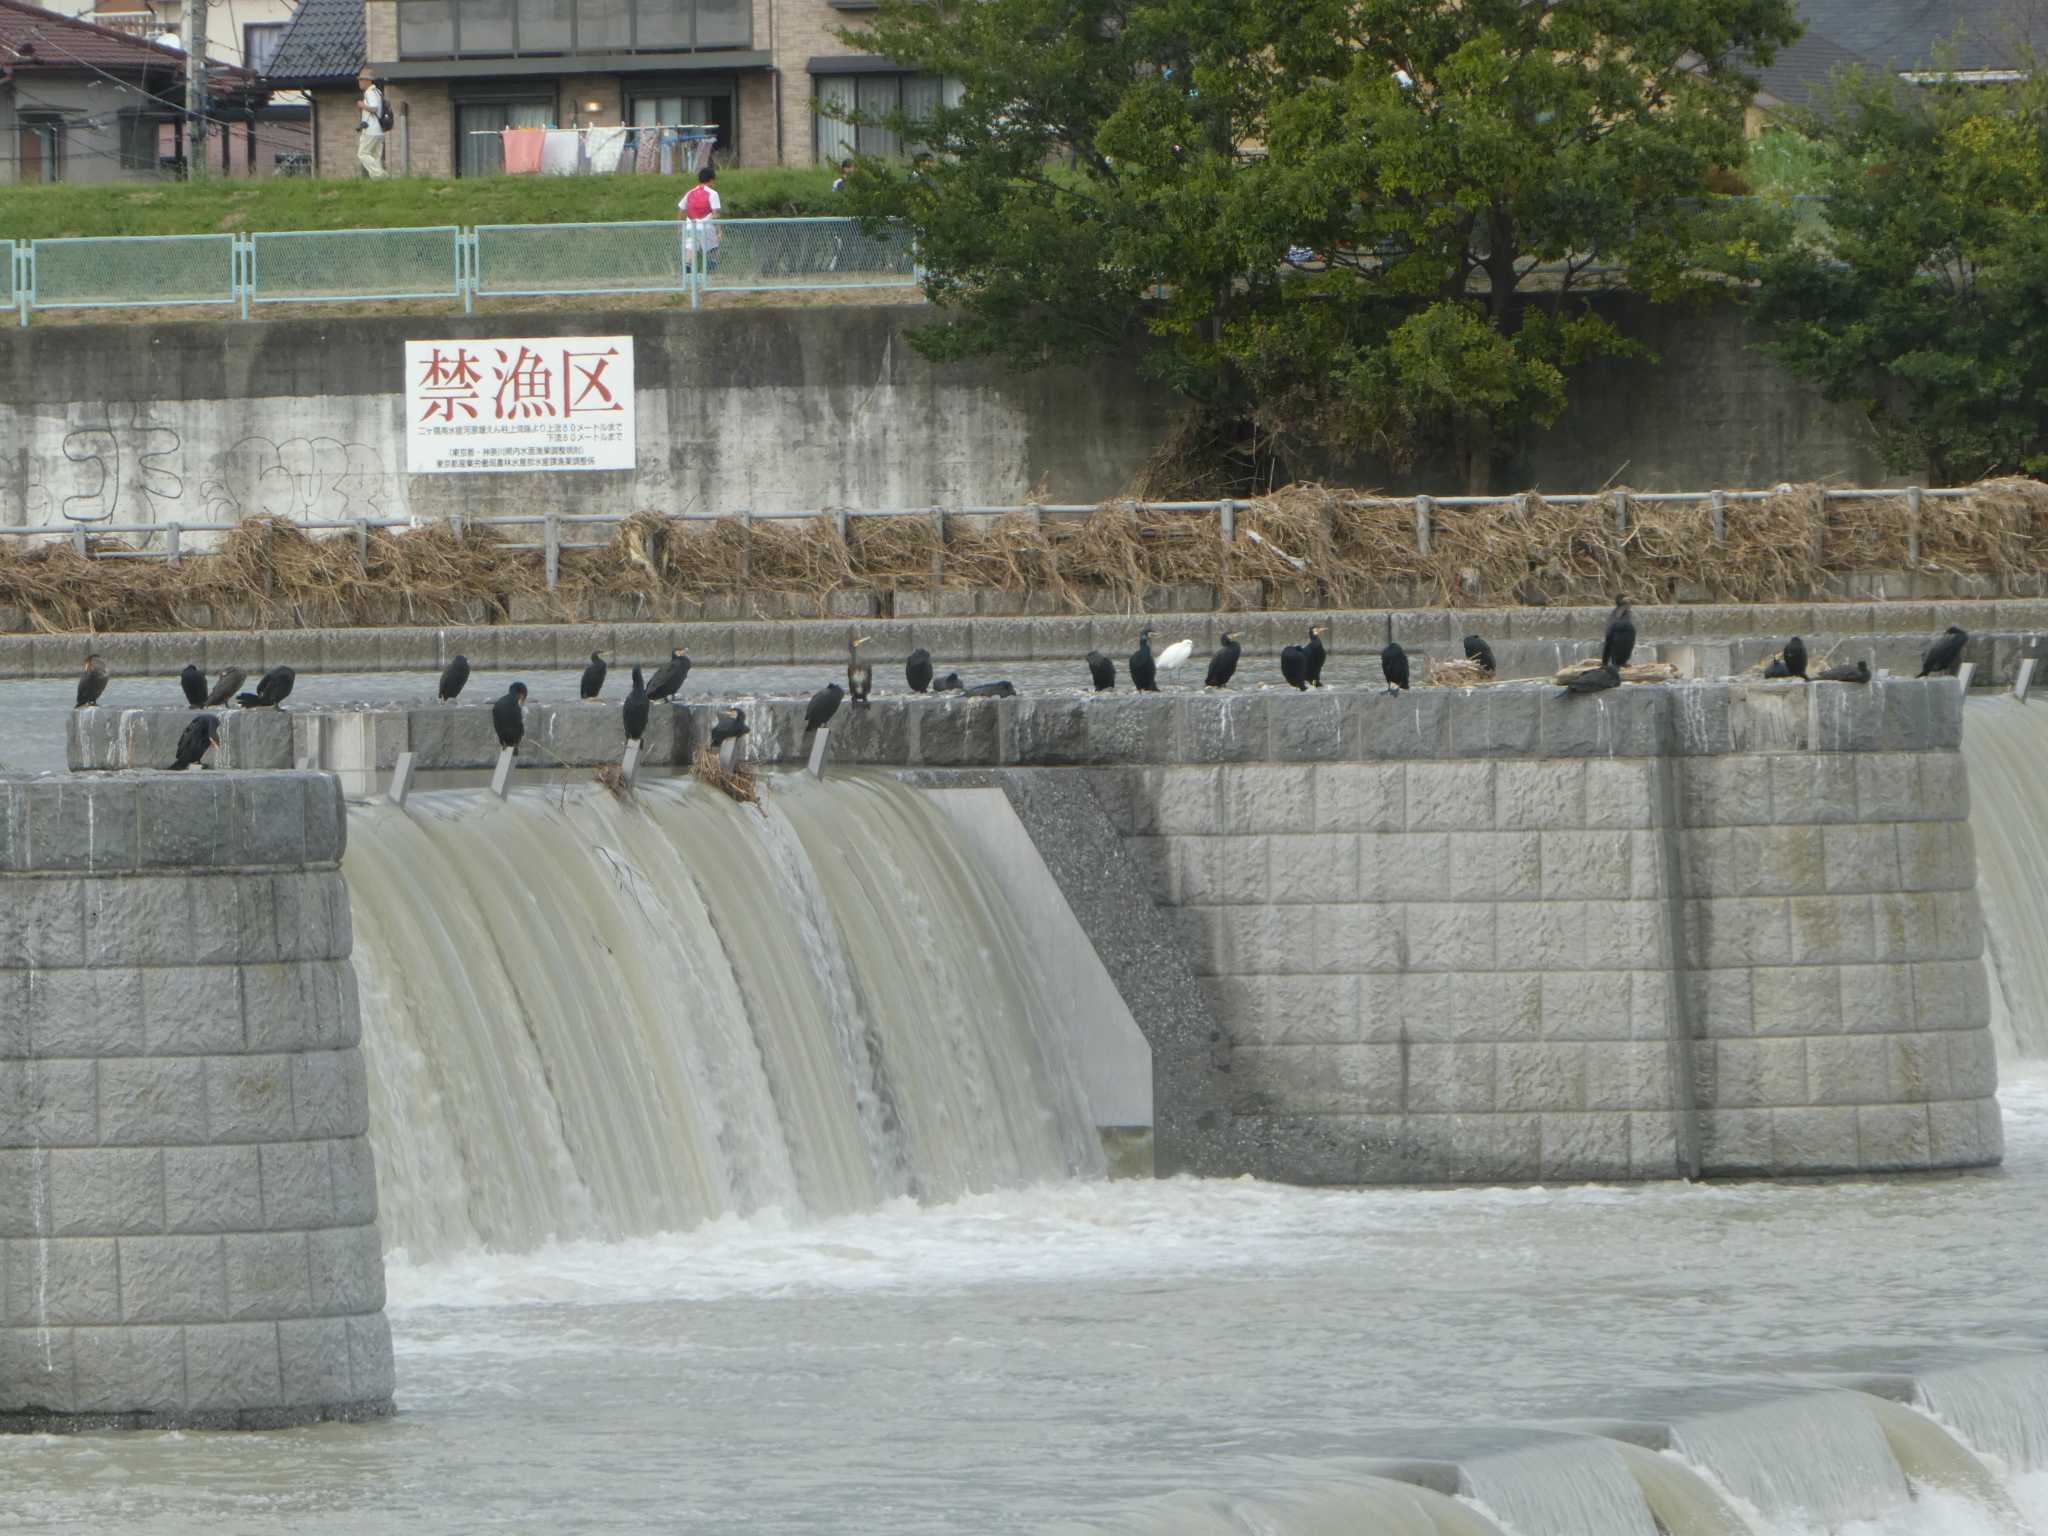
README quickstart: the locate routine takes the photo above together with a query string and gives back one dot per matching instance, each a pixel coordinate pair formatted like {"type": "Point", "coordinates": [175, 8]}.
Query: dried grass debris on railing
{"type": "Point", "coordinates": [896, 552]}
{"type": "Point", "coordinates": [1314, 545]}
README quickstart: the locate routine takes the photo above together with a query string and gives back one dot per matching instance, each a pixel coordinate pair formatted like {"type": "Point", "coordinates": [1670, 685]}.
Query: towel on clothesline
{"type": "Point", "coordinates": [562, 153]}
{"type": "Point", "coordinates": [523, 150]}
{"type": "Point", "coordinates": [603, 147]}
{"type": "Point", "coordinates": [650, 150]}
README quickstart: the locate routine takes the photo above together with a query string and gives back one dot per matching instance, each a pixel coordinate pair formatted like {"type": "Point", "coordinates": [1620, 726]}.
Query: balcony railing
{"type": "Point", "coordinates": [475, 29]}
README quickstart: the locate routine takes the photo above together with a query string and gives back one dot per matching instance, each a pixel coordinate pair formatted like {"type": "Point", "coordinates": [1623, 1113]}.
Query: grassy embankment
{"type": "Point", "coordinates": [222, 207]}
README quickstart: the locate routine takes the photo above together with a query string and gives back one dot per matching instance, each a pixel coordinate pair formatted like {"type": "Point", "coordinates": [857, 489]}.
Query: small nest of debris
{"type": "Point", "coordinates": [613, 778]}
{"type": "Point", "coordinates": [1462, 672]}
{"type": "Point", "coordinates": [740, 783]}
{"type": "Point", "coordinates": [1638, 672]}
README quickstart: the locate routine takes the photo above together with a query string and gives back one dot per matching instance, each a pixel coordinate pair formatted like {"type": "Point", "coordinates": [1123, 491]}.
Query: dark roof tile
{"type": "Point", "coordinates": [324, 42]}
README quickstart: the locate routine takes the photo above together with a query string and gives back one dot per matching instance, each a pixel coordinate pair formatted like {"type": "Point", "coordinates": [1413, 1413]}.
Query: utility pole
{"type": "Point", "coordinates": [195, 90]}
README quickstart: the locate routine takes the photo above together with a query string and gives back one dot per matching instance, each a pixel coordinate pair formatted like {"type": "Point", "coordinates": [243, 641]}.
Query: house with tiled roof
{"type": "Point", "coordinates": [321, 53]}
{"type": "Point", "coordinates": [82, 103]}
{"type": "Point", "coordinates": [1913, 39]}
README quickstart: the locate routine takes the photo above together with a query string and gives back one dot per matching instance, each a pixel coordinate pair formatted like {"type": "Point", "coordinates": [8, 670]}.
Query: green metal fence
{"type": "Point", "coordinates": [158, 270]}
{"type": "Point", "coordinates": [530, 259]}
{"type": "Point", "coordinates": [449, 263]}
{"type": "Point", "coordinates": [332, 266]}
{"type": "Point", "coordinates": [757, 255]}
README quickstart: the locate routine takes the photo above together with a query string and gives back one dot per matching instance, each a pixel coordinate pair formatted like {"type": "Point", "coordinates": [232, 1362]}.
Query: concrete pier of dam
{"type": "Point", "coordinates": [188, 1207]}
{"type": "Point", "coordinates": [1720, 928]}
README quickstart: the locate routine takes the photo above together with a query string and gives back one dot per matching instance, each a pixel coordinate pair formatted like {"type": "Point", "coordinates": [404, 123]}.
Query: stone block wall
{"type": "Point", "coordinates": [1502, 934]}
{"type": "Point", "coordinates": [188, 1210]}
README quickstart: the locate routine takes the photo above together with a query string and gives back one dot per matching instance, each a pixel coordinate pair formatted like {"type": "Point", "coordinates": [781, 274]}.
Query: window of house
{"type": "Point", "coordinates": [259, 44]}
{"type": "Point", "coordinates": [486, 28]}
{"type": "Point", "coordinates": [141, 141]}
{"type": "Point", "coordinates": [706, 102]}
{"type": "Point", "coordinates": [41, 146]}
{"type": "Point", "coordinates": [873, 96]}
{"type": "Point", "coordinates": [478, 149]}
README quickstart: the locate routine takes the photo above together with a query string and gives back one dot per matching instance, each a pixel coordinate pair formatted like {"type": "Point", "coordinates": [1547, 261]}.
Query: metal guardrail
{"type": "Point", "coordinates": [558, 528]}
{"type": "Point", "coordinates": [447, 262]}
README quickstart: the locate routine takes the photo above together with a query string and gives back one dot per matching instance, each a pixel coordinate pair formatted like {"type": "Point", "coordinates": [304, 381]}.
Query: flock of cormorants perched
{"type": "Point", "coordinates": [1301, 667]}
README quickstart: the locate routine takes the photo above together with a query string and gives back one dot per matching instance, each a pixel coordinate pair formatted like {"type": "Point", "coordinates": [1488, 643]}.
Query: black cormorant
{"type": "Point", "coordinates": [1776, 669]}
{"type": "Point", "coordinates": [1795, 658]}
{"type": "Point", "coordinates": [917, 670]}
{"type": "Point", "coordinates": [1294, 666]}
{"type": "Point", "coordinates": [1394, 661]}
{"type": "Point", "coordinates": [1859, 673]}
{"type": "Point", "coordinates": [731, 726]}
{"type": "Point", "coordinates": [860, 675]}
{"type": "Point", "coordinates": [1620, 641]}
{"type": "Point", "coordinates": [225, 687]}
{"type": "Point", "coordinates": [1144, 670]}
{"type": "Point", "coordinates": [668, 682]}
{"type": "Point", "coordinates": [950, 683]}
{"type": "Point", "coordinates": [1946, 654]}
{"type": "Point", "coordinates": [193, 681]}
{"type": "Point", "coordinates": [1223, 663]}
{"type": "Point", "coordinates": [824, 705]}
{"type": "Point", "coordinates": [508, 716]}
{"type": "Point", "coordinates": [1478, 650]}
{"type": "Point", "coordinates": [1592, 680]}
{"type": "Point", "coordinates": [454, 678]}
{"type": "Point", "coordinates": [998, 690]}
{"type": "Point", "coordinates": [1101, 671]}
{"type": "Point", "coordinates": [635, 711]}
{"type": "Point", "coordinates": [1316, 653]}
{"type": "Point", "coordinates": [92, 682]}
{"type": "Point", "coordinates": [274, 688]}
{"type": "Point", "coordinates": [593, 676]}
{"type": "Point", "coordinates": [201, 736]}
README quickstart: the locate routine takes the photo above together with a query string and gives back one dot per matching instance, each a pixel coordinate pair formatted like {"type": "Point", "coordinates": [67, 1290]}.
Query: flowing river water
{"type": "Point", "coordinates": [734, 1180]}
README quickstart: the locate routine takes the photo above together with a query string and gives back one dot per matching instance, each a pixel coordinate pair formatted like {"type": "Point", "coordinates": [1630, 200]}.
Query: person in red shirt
{"type": "Point", "coordinates": [699, 213]}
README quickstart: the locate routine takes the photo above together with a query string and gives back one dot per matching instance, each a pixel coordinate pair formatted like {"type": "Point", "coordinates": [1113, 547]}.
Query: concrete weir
{"type": "Point", "coordinates": [188, 1208]}
{"type": "Point", "coordinates": [1721, 928]}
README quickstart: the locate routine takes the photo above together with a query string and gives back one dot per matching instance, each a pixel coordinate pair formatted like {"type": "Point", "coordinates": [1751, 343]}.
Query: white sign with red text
{"type": "Point", "coordinates": [501, 407]}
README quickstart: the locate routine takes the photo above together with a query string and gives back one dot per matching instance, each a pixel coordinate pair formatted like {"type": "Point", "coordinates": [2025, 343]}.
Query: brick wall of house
{"type": "Point", "coordinates": [424, 142]}
{"type": "Point", "coordinates": [808, 29]}
{"type": "Point", "coordinates": [380, 21]}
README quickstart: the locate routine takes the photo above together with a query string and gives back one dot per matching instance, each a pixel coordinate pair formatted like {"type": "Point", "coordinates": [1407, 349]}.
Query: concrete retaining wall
{"type": "Point", "coordinates": [187, 1201]}
{"type": "Point", "coordinates": [772, 409]}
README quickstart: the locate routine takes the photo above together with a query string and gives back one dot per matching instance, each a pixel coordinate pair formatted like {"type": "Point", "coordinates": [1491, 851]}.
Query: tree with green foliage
{"type": "Point", "coordinates": [1924, 298]}
{"type": "Point", "coordinates": [1365, 229]}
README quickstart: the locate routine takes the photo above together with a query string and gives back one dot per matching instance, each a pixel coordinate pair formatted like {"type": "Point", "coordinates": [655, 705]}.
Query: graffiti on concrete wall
{"type": "Point", "coordinates": [121, 466]}
{"type": "Point", "coordinates": [127, 465]}
{"type": "Point", "coordinates": [306, 479]}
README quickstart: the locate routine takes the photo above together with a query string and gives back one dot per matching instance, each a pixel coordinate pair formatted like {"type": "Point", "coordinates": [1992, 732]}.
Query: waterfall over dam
{"type": "Point", "coordinates": [2005, 744]}
{"type": "Point", "coordinates": [600, 1019]}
